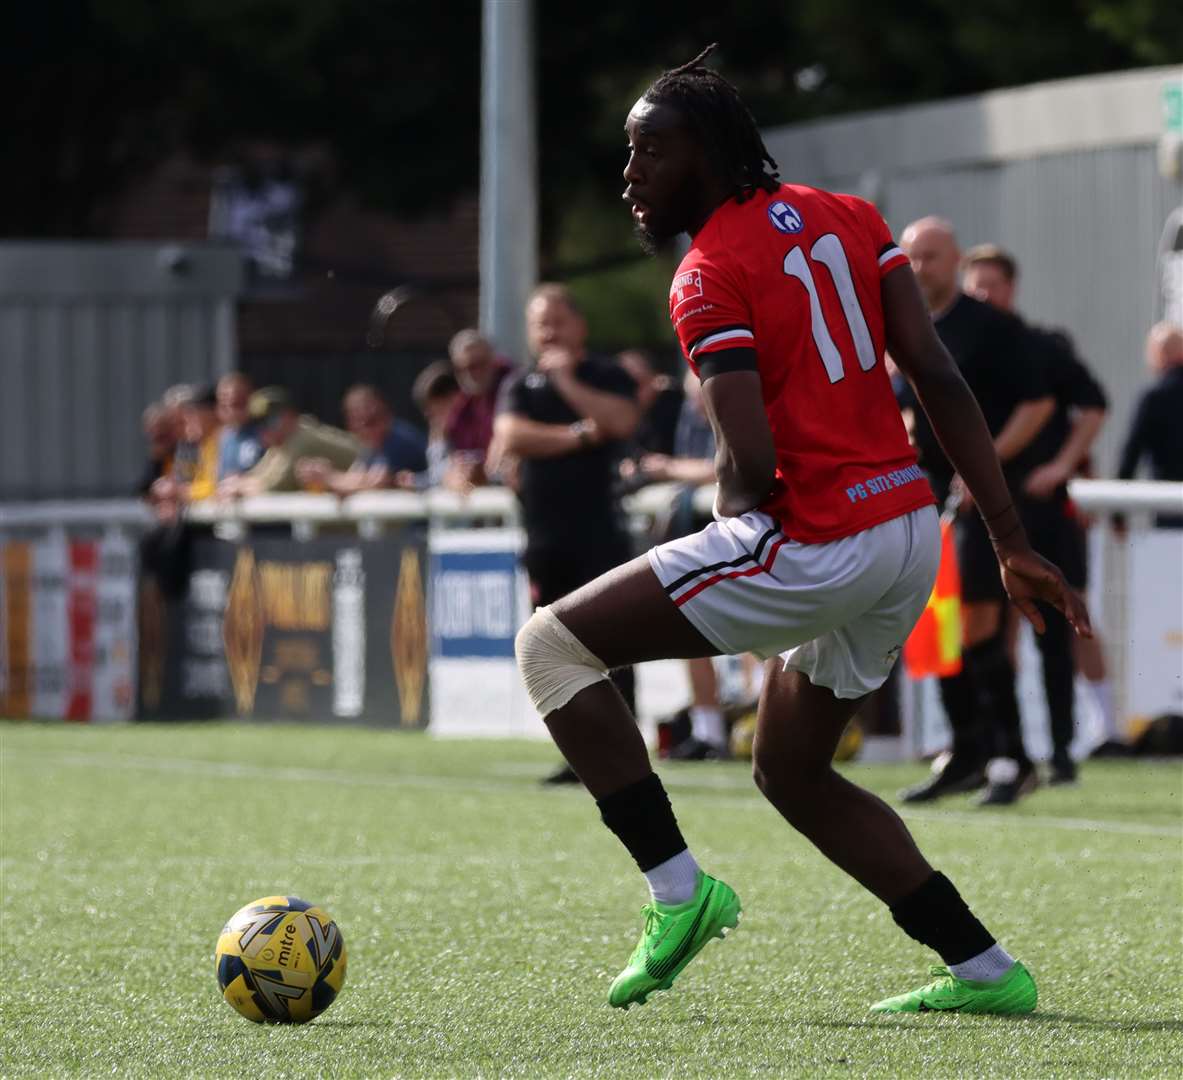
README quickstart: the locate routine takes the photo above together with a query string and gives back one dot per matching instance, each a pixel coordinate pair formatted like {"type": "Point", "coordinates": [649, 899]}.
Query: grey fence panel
{"type": "Point", "coordinates": [15, 398]}
{"type": "Point", "coordinates": [89, 335]}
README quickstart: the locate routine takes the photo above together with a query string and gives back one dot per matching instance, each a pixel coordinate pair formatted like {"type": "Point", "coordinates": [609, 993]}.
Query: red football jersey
{"type": "Point", "coordinates": [795, 275]}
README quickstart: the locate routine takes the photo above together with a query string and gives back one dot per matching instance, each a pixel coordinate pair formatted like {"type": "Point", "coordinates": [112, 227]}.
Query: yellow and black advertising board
{"type": "Point", "coordinates": [325, 629]}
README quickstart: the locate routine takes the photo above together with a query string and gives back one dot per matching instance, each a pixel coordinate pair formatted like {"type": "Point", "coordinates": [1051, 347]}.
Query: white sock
{"type": "Point", "coordinates": [989, 966]}
{"type": "Point", "coordinates": [674, 881]}
{"type": "Point", "coordinates": [1102, 692]}
{"type": "Point", "coordinates": [706, 725]}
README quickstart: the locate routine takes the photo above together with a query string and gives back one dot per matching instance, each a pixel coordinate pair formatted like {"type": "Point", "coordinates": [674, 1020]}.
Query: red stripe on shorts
{"type": "Point", "coordinates": [758, 569]}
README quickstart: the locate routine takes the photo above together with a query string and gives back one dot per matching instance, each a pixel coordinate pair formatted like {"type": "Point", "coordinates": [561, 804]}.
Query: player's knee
{"type": "Point", "coordinates": [554, 664]}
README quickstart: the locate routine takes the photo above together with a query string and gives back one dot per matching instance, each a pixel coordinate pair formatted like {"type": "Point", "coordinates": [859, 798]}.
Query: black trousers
{"type": "Point", "coordinates": [1058, 538]}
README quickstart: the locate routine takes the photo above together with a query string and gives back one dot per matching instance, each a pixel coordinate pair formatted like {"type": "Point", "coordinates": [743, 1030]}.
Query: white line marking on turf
{"type": "Point", "coordinates": [304, 774]}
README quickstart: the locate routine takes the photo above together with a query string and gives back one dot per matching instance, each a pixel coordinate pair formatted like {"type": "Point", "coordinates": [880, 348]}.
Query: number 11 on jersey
{"type": "Point", "coordinates": [828, 251]}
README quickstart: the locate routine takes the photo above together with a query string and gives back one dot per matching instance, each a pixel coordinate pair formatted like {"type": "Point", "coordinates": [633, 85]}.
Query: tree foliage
{"type": "Point", "coordinates": [101, 88]}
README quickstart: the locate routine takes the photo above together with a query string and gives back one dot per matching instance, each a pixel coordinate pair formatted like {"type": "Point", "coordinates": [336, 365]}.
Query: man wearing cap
{"type": "Point", "coordinates": [289, 438]}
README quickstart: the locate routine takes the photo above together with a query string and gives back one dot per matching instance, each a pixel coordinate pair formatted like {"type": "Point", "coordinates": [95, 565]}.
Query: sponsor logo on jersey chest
{"type": "Point", "coordinates": [687, 286]}
{"type": "Point", "coordinates": [785, 218]}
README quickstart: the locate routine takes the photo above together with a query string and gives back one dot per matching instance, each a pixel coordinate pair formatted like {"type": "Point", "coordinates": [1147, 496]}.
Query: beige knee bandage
{"type": "Point", "coordinates": [554, 664]}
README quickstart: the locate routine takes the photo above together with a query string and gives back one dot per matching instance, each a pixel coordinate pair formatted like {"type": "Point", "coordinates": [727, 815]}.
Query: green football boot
{"type": "Point", "coordinates": [673, 936]}
{"type": "Point", "coordinates": [1014, 993]}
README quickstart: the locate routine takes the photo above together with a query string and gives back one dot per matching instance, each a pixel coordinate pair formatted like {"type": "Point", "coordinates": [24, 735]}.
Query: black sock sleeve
{"type": "Point", "coordinates": [936, 916]}
{"type": "Point", "coordinates": [642, 818]}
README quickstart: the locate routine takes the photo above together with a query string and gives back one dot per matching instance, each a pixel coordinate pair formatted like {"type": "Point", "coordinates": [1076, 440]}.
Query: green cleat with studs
{"type": "Point", "coordinates": [1013, 994]}
{"type": "Point", "coordinates": [673, 936]}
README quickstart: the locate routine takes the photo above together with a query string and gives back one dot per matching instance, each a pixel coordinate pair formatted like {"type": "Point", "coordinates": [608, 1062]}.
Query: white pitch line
{"type": "Point", "coordinates": [303, 774]}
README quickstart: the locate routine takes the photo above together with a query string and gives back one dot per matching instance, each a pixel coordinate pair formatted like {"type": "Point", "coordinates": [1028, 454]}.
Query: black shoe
{"type": "Point", "coordinates": [564, 774]}
{"type": "Point", "coordinates": [949, 777]}
{"type": "Point", "coordinates": [1111, 748]}
{"type": "Point", "coordinates": [1063, 771]}
{"type": "Point", "coordinates": [1008, 781]}
{"type": "Point", "coordinates": [693, 749]}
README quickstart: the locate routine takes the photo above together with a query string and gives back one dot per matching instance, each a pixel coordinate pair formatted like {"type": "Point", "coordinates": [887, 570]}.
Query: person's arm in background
{"type": "Point", "coordinates": [1021, 362]}
{"type": "Point", "coordinates": [268, 475]}
{"type": "Point", "coordinates": [1022, 426]}
{"type": "Point", "coordinates": [961, 429]}
{"type": "Point", "coordinates": [1135, 443]}
{"type": "Point", "coordinates": [615, 416]}
{"type": "Point", "coordinates": [525, 438]}
{"type": "Point", "coordinates": [680, 470]}
{"type": "Point", "coordinates": [1079, 392]}
{"type": "Point", "coordinates": [1086, 426]}
{"type": "Point", "coordinates": [516, 435]}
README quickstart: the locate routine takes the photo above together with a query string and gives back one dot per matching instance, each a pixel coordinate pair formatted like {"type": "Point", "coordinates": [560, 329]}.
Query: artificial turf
{"type": "Point", "coordinates": [485, 916]}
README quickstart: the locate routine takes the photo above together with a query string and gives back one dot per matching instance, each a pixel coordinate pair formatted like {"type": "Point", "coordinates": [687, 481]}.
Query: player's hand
{"type": "Point", "coordinates": [1027, 578]}
{"type": "Point", "coordinates": [1043, 481]}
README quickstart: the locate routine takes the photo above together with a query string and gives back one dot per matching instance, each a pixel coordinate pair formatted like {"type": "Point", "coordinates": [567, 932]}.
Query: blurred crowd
{"type": "Point", "coordinates": [571, 432]}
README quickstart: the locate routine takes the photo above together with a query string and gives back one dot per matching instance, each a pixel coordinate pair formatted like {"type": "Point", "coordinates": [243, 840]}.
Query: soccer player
{"type": "Point", "coordinates": [823, 551]}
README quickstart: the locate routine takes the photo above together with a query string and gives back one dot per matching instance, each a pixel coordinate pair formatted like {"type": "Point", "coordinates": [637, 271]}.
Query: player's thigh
{"type": "Point", "coordinates": [798, 724]}
{"type": "Point", "coordinates": [626, 617]}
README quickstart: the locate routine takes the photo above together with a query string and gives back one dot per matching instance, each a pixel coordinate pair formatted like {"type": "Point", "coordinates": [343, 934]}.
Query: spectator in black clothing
{"type": "Point", "coordinates": [994, 355]}
{"type": "Point", "coordinates": [1157, 429]}
{"type": "Point", "coordinates": [564, 420]}
{"type": "Point", "coordinates": [1056, 454]}
{"type": "Point", "coordinates": [659, 400]}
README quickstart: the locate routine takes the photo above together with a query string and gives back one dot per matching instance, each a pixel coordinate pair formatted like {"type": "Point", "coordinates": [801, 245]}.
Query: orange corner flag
{"type": "Point", "coordinates": [934, 646]}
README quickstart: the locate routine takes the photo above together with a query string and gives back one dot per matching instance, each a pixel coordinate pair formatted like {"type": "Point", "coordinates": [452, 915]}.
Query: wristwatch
{"type": "Point", "coordinates": [582, 430]}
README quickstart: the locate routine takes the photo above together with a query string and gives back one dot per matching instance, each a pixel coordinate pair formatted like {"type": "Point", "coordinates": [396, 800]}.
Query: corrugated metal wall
{"type": "Point", "coordinates": [1065, 175]}
{"type": "Point", "coordinates": [1085, 227]}
{"type": "Point", "coordinates": [89, 335]}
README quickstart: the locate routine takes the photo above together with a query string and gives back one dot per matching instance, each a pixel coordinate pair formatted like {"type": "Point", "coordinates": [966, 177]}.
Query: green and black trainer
{"type": "Point", "coordinates": [674, 934]}
{"type": "Point", "coordinates": [1014, 993]}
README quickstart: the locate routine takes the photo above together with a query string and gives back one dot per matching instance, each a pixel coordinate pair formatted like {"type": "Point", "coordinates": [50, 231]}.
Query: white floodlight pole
{"type": "Point", "coordinates": [509, 182]}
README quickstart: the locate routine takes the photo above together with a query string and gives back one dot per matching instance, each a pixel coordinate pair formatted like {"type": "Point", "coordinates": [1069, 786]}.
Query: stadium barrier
{"type": "Point", "coordinates": [390, 608]}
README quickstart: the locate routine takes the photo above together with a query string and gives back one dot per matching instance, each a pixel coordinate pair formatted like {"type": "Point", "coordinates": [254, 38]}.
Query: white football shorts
{"type": "Point", "coordinates": [839, 612]}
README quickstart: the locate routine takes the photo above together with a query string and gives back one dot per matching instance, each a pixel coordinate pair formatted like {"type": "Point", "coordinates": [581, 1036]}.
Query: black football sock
{"type": "Point", "coordinates": [957, 698]}
{"type": "Point", "coordinates": [643, 820]}
{"type": "Point", "coordinates": [936, 916]}
{"type": "Point", "coordinates": [992, 677]}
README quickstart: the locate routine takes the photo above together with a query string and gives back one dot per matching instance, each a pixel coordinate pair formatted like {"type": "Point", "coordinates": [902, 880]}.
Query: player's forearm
{"type": "Point", "coordinates": [961, 429]}
{"type": "Point", "coordinates": [1022, 426]}
{"type": "Point", "coordinates": [615, 416]}
{"type": "Point", "coordinates": [1080, 439]}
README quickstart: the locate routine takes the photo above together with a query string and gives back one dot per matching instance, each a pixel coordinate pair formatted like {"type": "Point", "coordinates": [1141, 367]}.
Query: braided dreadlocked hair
{"type": "Point", "coordinates": [721, 121]}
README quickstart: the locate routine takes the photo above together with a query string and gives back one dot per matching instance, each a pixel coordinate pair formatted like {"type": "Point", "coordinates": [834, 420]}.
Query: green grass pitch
{"type": "Point", "coordinates": [485, 916]}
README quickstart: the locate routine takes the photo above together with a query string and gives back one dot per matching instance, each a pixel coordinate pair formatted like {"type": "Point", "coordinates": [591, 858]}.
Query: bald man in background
{"type": "Point", "coordinates": [994, 354]}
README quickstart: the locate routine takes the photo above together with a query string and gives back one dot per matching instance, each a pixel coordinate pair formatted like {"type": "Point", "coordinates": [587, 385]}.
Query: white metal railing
{"type": "Point", "coordinates": [485, 503]}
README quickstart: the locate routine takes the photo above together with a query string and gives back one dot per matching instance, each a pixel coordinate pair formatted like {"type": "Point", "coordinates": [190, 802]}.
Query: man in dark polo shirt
{"type": "Point", "coordinates": [994, 354]}
{"type": "Point", "coordinates": [1056, 454]}
{"type": "Point", "coordinates": [563, 421]}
